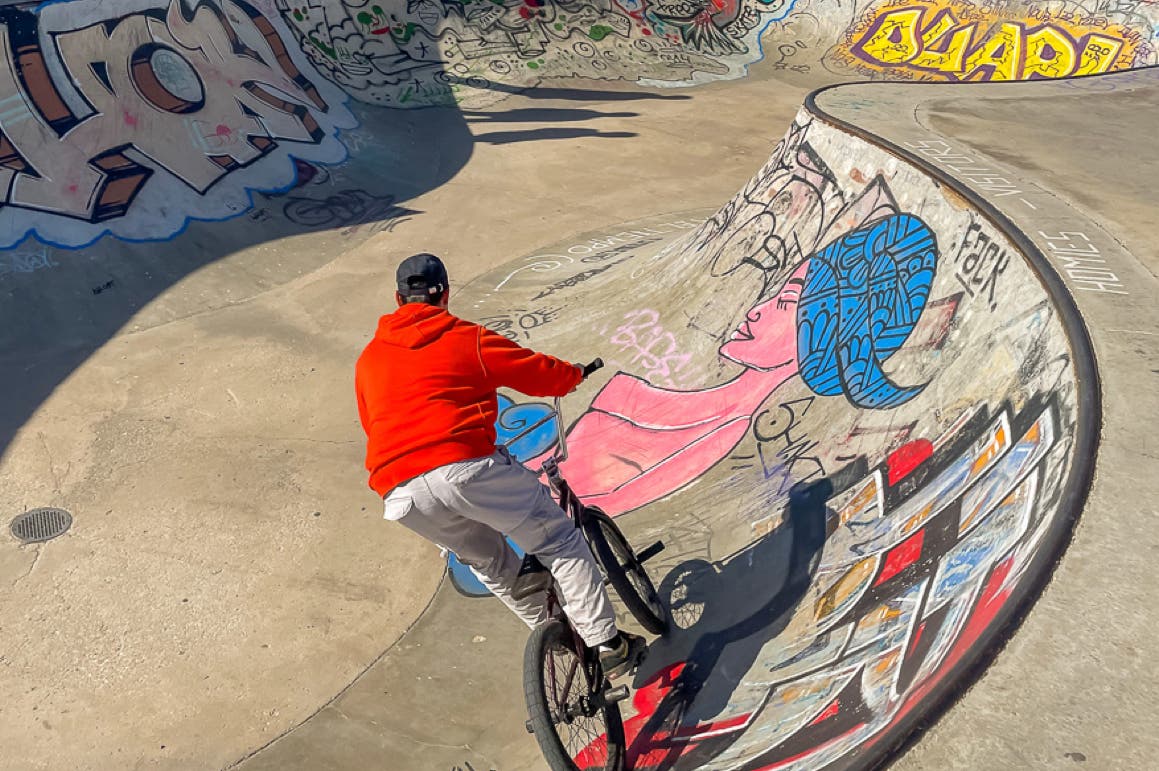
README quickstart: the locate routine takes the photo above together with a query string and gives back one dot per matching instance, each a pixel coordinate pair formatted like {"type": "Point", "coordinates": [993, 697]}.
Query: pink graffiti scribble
{"type": "Point", "coordinates": [653, 348]}
{"type": "Point", "coordinates": [218, 136]}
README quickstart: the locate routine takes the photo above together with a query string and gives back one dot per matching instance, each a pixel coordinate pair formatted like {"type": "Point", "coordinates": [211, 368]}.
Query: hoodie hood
{"type": "Point", "coordinates": [414, 325]}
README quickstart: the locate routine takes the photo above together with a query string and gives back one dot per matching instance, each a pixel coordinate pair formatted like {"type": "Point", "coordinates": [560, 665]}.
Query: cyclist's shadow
{"type": "Point", "coordinates": [722, 616]}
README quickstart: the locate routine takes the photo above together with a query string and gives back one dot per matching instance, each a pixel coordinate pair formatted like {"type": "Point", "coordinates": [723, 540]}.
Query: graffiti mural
{"type": "Point", "coordinates": [134, 118]}
{"type": "Point", "coordinates": [426, 52]}
{"type": "Point", "coordinates": [818, 333]}
{"type": "Point", "coordinates": [901, 589]}
{"type": "Point", "coordinates": [837, 316]}
{"type": "Point", "coordinates": [934, 40]}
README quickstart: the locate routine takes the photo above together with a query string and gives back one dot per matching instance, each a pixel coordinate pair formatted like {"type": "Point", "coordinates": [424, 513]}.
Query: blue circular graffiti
{"type": "Point", "coordinates": [863, 295]}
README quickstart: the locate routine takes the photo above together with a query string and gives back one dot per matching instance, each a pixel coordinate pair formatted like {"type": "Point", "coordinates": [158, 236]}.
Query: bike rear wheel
{"type": "Point", "coordinates": [576, 731]}
{"type": "Point", "coordinates": [624, 571]}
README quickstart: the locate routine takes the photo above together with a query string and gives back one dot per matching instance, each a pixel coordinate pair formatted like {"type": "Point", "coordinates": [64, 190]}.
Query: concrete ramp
{"type": "Point", "coordinates": [850, 406]}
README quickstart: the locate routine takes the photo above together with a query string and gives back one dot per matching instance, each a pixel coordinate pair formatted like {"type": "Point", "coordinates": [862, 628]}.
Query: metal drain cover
{"type": "Point", "coordinates": [42, 524]}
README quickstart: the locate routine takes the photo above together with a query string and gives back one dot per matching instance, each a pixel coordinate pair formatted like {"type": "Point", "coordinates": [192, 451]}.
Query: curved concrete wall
{"type": "Point", "coordinates": [848, 405]}
{"type": "Point", "coordinates": [431, 52]}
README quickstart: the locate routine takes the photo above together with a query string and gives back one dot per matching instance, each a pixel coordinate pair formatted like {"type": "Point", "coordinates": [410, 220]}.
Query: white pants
{"type": "Point", "coordinates": [468, 506]}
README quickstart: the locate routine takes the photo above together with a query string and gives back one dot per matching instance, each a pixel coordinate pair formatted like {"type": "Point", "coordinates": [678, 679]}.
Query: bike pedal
{"type": "Point", "coordinates": [650, 552]}
{"type": "Point", "coordinates": [616, 695]}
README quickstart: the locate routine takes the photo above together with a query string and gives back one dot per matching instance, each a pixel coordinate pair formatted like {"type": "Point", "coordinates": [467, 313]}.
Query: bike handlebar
{"type": "Point", "coordinates": [592, 367]}
{"type": "Point", "coordinates": [561, 454]}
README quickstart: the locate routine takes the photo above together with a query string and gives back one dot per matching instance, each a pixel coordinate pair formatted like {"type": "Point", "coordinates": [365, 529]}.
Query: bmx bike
{"type": "Point", "coordinates": [573, 710]}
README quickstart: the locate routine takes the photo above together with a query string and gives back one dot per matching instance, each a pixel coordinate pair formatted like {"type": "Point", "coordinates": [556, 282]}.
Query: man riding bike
{"type": "Point", "coordinates": [426, 387]}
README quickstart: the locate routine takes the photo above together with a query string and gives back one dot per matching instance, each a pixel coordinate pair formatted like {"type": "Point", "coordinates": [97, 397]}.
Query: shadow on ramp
{"type": "Point", "coordinates": [716, 631]}
{"type": "Point", "coordinates": [63, 302]}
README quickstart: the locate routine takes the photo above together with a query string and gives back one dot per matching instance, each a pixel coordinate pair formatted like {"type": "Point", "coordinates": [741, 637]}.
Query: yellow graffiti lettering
{"type": "Point", "coordinates": [1099, 54]}
{"type": "Point", "coordinates": [896, 40]}
{"type": "Point", "coordinates": [945, 45]}
{"type": "Point", "coordinates": [1049, 54]}
{"type": "Point", "coordinates": [997, 58]}
{"type": "Point", "coordinates": [979, 44]}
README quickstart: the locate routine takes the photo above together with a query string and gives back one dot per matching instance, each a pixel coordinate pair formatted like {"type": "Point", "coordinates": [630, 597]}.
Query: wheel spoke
{"type": "Point", "coordinates": [574, 726]}
{"type": "Point", "coordinates": [571, 665]}
{"type": "Point", "coordinates": [580, 734]}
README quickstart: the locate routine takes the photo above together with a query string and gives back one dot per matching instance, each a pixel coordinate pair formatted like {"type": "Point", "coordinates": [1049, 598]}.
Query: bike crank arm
{"type": "Point", "coordinates": [588, 706]}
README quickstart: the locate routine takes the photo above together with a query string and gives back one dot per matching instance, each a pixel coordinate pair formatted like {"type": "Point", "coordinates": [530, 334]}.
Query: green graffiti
{"type": "Point", "coordinates": [430, 94]}
{"type": "Point", "coordinates": [598, 32]}
{"type": "Point", "coordinates": [325, 49]}
{"type": "Point", "coordinates": [404, 34]}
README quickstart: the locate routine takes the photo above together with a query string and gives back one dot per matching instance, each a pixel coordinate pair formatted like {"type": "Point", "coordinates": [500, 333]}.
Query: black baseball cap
{"type": "Point", "coordinates": [422, 274]}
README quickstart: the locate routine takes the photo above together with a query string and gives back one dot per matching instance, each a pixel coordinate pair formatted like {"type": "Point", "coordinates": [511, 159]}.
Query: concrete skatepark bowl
{"type": "Point", "coordinates": [864, 400]}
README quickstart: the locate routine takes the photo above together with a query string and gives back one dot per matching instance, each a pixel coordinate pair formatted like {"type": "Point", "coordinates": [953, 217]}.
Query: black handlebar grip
{"type": "Point", "coordinates": [590, 368]}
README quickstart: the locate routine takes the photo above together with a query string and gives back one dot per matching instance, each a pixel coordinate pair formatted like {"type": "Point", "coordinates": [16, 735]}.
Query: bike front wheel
{"type": "Point", "coordinates": [576, 729]}
{"type": "Point", "coordinates": [624, 571]}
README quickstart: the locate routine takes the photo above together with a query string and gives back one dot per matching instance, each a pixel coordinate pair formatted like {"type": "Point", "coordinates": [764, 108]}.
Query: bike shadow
{"type": "Point", "coordinates": [723, 614]}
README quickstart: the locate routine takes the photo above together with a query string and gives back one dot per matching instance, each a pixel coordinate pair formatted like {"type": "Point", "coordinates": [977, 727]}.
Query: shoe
{"type": "Point", "coordinates": [625, 657]}
{"type": "Point", "coordinates": [533, 578]}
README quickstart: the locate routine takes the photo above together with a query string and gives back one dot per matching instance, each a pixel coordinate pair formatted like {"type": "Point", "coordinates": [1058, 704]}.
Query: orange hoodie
{"type": "Point", "coordinates": [426, 390]}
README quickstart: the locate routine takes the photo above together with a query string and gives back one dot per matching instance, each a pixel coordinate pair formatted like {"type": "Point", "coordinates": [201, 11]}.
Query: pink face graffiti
{"type": "Point", "coordinates": [767, 338]}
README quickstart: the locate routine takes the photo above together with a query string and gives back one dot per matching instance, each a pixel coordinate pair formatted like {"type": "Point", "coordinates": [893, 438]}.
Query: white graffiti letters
{"type": "Point", "coordinates": [193, 92]}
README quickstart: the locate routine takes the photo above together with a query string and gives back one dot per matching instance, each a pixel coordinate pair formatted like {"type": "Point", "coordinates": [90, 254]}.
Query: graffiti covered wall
{"type": "Point", "coordinates": [134, 117]}
{"type": "Point", "coordinates": [937, 40]}
{"type": "Point", "coordinates": [839, 322]}
{"type": "Point", "coordinates": [444, 51]}
{"type": "Point", "coordinates": [438, 52]}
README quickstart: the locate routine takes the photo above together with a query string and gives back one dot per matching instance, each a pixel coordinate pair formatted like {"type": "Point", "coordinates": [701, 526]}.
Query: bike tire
{"type": "Point", "coordinates": [624, 572]}
{"type": "Point", "coordinates": [599, 744]}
